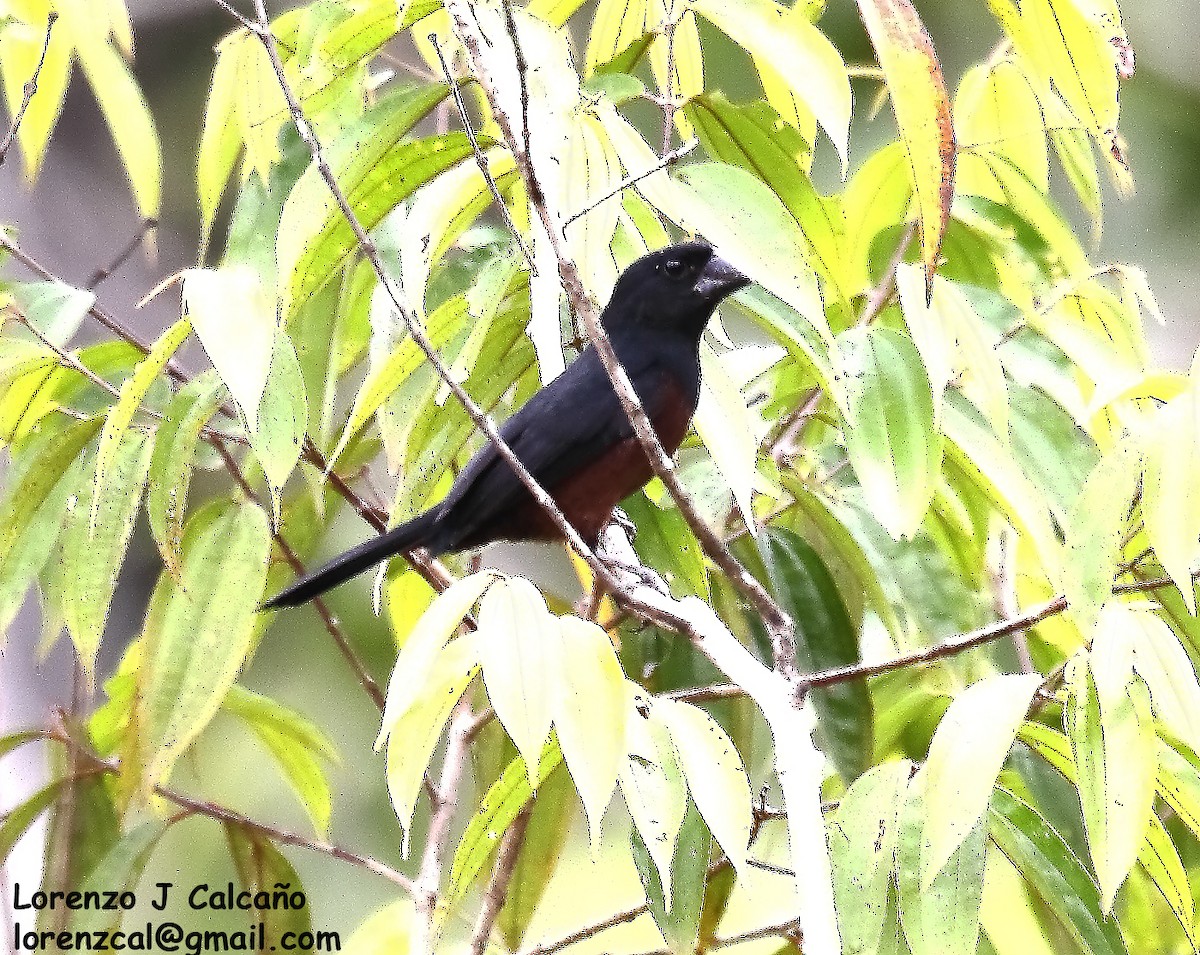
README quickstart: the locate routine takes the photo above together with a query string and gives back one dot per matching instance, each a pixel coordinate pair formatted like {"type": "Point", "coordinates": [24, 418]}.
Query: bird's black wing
{"type": "Point", "coordinates": [562, 429]}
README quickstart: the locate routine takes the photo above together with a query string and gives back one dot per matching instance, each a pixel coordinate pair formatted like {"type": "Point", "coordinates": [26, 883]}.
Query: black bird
{"type": "Point", "coordinates": [573, 435]}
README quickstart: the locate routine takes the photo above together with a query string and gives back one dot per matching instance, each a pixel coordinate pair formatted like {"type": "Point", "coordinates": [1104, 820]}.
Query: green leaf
{"type": "Point", "coordinates": [295, 742]}
{"type": "Point", "coordinates": [965, 758]}
{"type": "Point", "coordinates": [862, 844]}
{"type": "Point", "coordinates": [665, 542]}
{"type": "Point", "coordinates": [1160, 860]}
{"type": "Point", "coordinates": [922, 108]}
{"type": "Point", "coordinates": [282, 420]}
{"type": "Point", "coordinates": [34, 507]}
{"type": "Point", "coordinates": [500, 806]}
{"type": "Point", "coordinates": [677, 908]}
{"type": "Point", "coordinates": [891, 435]}
{"type": "Point", "coordinates": [987, 465]}
{"type": "Point", "coordinates": [940, 915]}
{"type": "Point", "coordinates": [1112, 740]}
{"type": "Point", "coordinates": [199, 631]}
{"type": "Point", "coordinates": [119, 871]}
{"type": "Point", "coordinates": [1095, 526]}
{"type": "Point", "coordinates": [516, 636]}
{"type": "Point", "coordinates": [1054, 874]}
{"type": "Point", "coordinates": [547, 837]}
{"type": "Point", "coordinates": [93, 548]}
{"type": "Point", "coordinates": [235, 322]}
{"type": "Point", "coordinates": [804, 58]}
{"type": "Point", "coordinates": [588, 709]}
{"type": "Point", "coordinates": [376, 168]}
{"type": "Point", "coordinates": [16, 822]}
{"type": "Point", "coordinates": [171, 464]}
{"type": "Point", "coordinates": [715, 776]}
{"type": "Point", "coordinates": [54, 308]}
{"type": "Point", "coordinates": [753, 137]}
{"type": "Point", "coordinates": [262, 868]}
{"type": "Point", "coordinates": [825, 637]}
{"type": "Point", "coordinates": [133, 393]}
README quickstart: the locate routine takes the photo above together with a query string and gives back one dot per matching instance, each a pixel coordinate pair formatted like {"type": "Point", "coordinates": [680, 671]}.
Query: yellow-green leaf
{"type": "Point", "coordinates": [965, 757]}
{"type": "Point", "coordinates": [804, 58]}
{"type": "Point", "coordinates": [94, 548]}
{"type": "Point", "coordinates": [891, 434]}
{"type": "Point", "coordinates": [421, 648]}
{"type": "Point", "coordinates": [922, 107]}
{"type": "Point", "coordinates": [21, 47]}
{"type": "Point", "coordinates": [1170, 506]}
{"type": "Point", "coordinates": [199, 631]}
{"type": "Point", "coordinates": [128, 117]}
{"type": "Point", "coordinates": [171, 464]}
{"type": "Point", "coordinates": [133, 391]}
{"type": "Point", "coordinates": [1113, 743]}
{"type": "Point", "coordinates": [377, 167]}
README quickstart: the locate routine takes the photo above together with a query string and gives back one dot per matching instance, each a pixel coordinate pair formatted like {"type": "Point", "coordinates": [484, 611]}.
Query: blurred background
{"type": "Point", "coordinates": [79, 215]}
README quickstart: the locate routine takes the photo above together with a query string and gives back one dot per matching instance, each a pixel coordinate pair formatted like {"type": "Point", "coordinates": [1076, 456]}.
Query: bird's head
{"type": "Point", "coordinates": [678, 287]}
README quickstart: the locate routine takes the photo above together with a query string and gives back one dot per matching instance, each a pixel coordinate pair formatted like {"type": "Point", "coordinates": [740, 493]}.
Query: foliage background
{"type": "Point", "coordinates": [79, 212]}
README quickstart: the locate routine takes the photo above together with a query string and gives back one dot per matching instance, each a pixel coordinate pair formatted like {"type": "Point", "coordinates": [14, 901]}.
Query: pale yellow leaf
{"type": "Point", "coordinates": [715, 775]}
{"type": "Point", "coordinates": [234, 319]}
{"type": "Point", "coordinates": [589, 711]}
{"type": "Point", "coordinates": [415, 734]}
{"type": "Point", "coordinates": [421, 648]}
{"type": "Point", "coordinates": [965, 757]}
{"type": "Point", "coordinates": [516, 637]}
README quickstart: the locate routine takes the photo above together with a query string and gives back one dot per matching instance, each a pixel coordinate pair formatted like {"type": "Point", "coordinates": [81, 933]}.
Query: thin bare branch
{"type": "Point", "coordinates": [502, 873]}
{"type": "Point", "coordinates": [224, 814]}
{"type": "Point", "coordinates": [620, 918]}
{"type": "Point", "coordinates": [673, 156]}
{"type": "Point", "coordinates": [28, 91]}
{"type": "Point", "coordinates": [429, 877]}
{"type": "Point", "coordinates": [123, 256]}
{"type": "Point", "coordinates": [480, 159]}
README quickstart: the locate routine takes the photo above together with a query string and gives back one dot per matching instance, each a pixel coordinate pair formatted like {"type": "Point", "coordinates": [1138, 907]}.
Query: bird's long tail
{"type": "Point", "coordinates": [401, 539]}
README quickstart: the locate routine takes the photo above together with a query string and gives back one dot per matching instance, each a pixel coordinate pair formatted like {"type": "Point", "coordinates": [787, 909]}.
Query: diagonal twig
{"type": "Point", "coordinates": [502, 874]}
{"type": "Point", "coordinates": [28, 91]}
{"type": "Point", "coordinates": [480, 159]}
{"type": "Point", "coordinates": [672, 157]}
{"type": "Point", "coordinates": [123, 256]}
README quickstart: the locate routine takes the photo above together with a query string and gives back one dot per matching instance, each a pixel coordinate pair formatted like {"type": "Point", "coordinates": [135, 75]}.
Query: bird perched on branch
{"type": "Point", "coordinates": [573, 436]}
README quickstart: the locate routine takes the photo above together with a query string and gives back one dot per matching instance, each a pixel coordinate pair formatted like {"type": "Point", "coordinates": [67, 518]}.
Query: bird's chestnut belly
{"type": "Point", "coordinates": [588, 497]}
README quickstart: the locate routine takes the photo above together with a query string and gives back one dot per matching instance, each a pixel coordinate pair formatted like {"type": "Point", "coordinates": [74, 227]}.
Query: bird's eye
{"type": "Point", "coordinates": [674, 268]}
